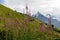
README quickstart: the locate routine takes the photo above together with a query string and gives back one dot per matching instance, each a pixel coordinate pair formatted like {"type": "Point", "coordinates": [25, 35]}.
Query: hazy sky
{"type": "Point", "coordinates": [44, 6]}
{"type": "Point", "coordinates": [1, 1]}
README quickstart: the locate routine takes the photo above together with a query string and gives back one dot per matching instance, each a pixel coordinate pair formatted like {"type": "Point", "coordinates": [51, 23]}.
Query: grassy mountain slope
{"type": "Point", "coordinates": [17, 26]}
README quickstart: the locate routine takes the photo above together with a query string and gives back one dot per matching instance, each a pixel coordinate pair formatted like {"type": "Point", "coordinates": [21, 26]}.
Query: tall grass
{"type": "Point", "coordinates": [17, 26]}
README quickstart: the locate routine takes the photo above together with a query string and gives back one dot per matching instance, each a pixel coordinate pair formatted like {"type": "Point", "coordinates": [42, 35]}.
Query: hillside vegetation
{"type": "Point", "coordinates": [18, 26]}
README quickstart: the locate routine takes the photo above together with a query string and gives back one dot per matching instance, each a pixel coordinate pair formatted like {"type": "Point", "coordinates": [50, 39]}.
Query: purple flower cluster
{"type": "Point", "coordinates": [7, 21]}
{"type": "Point", "coordinates": [26, 20]}
{"type": "Point", "coordinates": [42, 28]}
{"type": "Point", "coordinates": [19, 23]}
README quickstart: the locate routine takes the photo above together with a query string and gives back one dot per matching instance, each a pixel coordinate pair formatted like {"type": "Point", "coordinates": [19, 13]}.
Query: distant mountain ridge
{"type": "Point", "coordinates": [40, 16]}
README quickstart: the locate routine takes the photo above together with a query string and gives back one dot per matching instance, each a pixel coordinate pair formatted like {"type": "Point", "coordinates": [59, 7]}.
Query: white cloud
{"type": "Point", "coordinates": [44, 6]}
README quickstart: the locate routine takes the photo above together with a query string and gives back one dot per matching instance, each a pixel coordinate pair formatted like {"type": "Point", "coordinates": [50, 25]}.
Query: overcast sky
{"type": "Point", "coordinates": [44, 6]}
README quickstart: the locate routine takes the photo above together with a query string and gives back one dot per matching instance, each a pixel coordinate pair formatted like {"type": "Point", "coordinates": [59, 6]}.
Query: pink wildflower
{"type": "Point", "coordinates": [26, 20]}
{"type": "Point", "coordinates": [42, 28]}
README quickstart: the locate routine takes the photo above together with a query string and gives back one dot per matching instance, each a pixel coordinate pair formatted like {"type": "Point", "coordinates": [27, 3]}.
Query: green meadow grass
{"type": "Point", "coordinates": [13, 27]}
